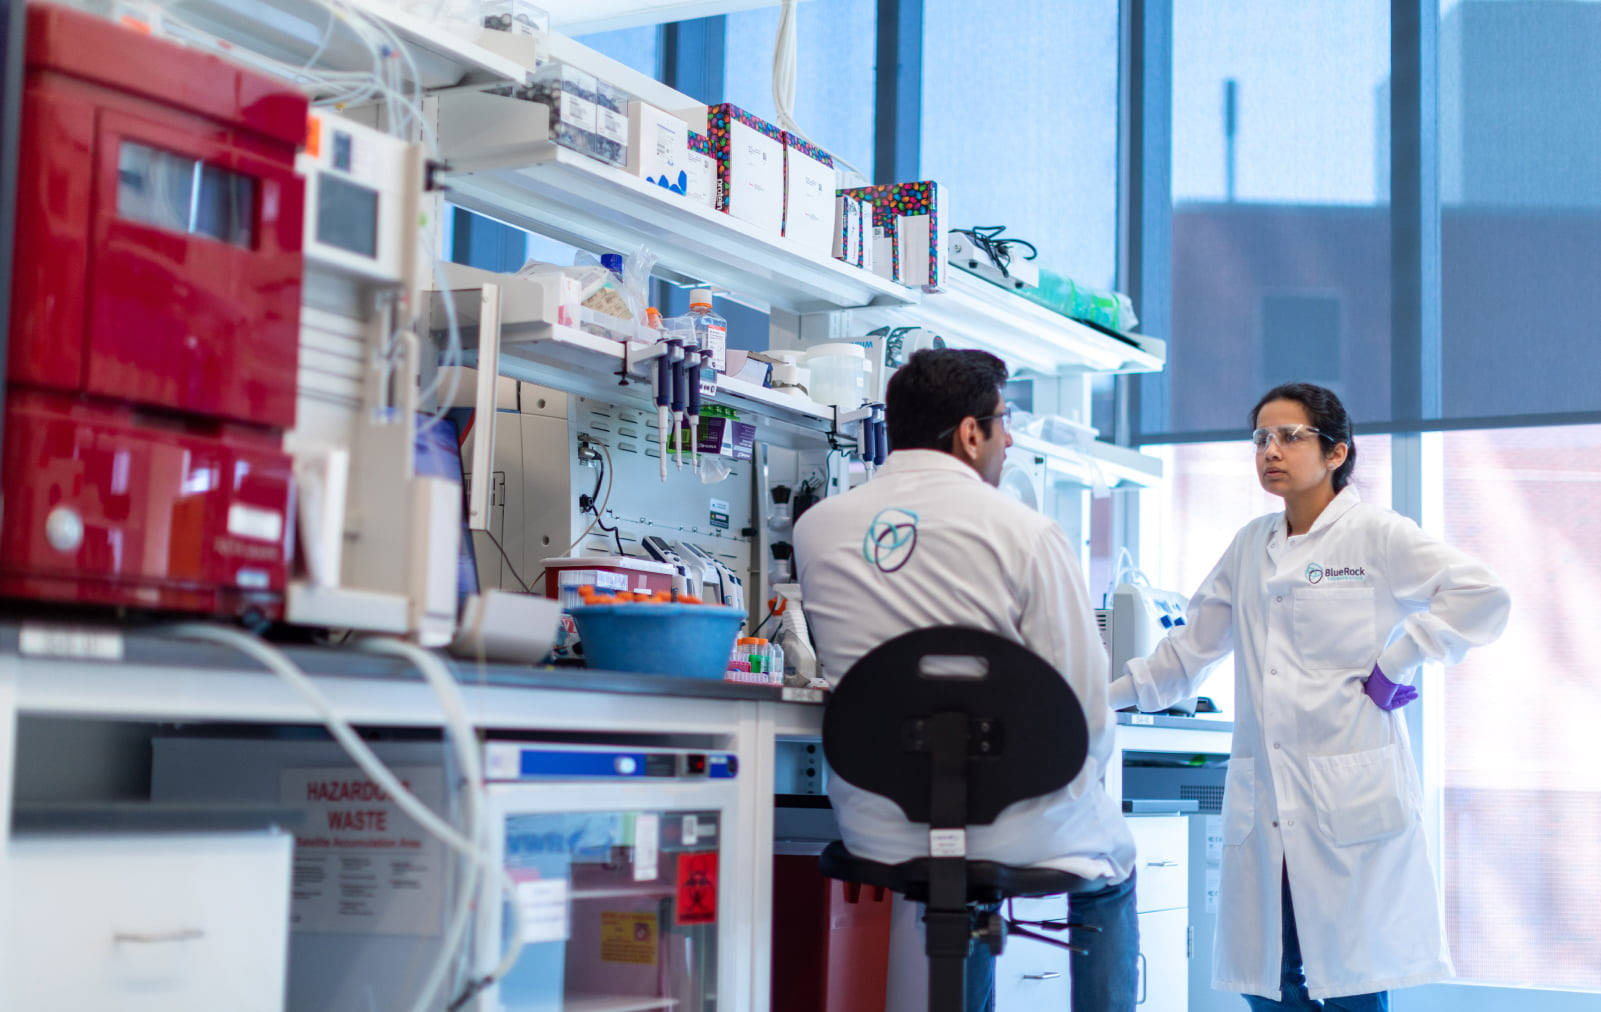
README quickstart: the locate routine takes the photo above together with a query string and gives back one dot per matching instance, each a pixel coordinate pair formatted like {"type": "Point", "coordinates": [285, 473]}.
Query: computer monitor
{"type": "Point", "coordinates": [438, 455]}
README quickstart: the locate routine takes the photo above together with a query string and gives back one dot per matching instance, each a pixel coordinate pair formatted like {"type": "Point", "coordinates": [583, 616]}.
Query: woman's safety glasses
{"type": "Point", "coordinates": [1285, 435]}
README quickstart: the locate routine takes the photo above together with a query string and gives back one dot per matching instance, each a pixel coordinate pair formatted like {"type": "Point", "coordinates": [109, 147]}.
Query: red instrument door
{"type": "Point", "coordinates": [195, 274]}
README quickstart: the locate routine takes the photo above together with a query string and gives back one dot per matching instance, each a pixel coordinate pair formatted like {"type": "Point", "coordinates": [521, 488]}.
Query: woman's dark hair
{"type": "Point", "coordinates": [1328, 416]}
{"type": "Point", "coordinates": [928, 397]}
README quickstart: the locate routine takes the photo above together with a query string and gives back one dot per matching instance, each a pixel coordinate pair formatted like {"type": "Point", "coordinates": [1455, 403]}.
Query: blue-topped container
{"type": "Point", "coordinates": [684, 640]}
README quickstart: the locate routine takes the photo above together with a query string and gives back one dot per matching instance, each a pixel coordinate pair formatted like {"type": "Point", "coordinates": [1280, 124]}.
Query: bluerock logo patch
{"type": "Point", "coordinates": [1317, 574]}
{"type": "Point", "coordinates": [891, 539]}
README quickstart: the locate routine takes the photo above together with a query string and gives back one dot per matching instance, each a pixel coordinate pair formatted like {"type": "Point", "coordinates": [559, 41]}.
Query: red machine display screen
{"type": "Point", "coordinates": [185, 194]}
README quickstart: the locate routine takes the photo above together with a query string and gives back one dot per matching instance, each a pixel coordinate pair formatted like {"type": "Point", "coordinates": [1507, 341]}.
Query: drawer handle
{"type": "Point", "coordinates": [1042, 975]}
{"type": "Point", "coordinates": [1161, 864]}
{"type": "Point", "coordinates": [150, 937]}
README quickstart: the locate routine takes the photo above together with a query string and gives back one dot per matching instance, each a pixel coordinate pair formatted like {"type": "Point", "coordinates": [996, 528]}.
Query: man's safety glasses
{"type": "Point", "coordinates": [1004, 416]}
{"type": "Point", "coordinates": [1285, 435]}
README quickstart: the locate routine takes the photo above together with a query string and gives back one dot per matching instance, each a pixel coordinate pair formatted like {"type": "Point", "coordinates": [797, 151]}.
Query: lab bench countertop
{"type": "Point", "coordinates": [1207, 723]}
{"type": "Point", "coordinates": [147, 648]}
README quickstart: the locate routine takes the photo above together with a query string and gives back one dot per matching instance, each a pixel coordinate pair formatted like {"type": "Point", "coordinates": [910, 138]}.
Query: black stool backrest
{"type": "Point", "coordinates": [1037, 734]}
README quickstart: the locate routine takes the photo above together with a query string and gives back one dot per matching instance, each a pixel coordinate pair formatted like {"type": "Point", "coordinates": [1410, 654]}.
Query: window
{"type": "Point", "coordinates": [1280, 220]}
{"type": "Point", "coordinates": [835, 53]}
{"type": "Point", "coordinates": [1520, 216]}
{"type": "Point", "coordinates": [1301, 337]}
{"type": "Point", "coordinates": [1521, 851]}
{"type": "Point", "coordinates": [632, 47]}
{"type": "Point", "coordinates": [1020, 125]}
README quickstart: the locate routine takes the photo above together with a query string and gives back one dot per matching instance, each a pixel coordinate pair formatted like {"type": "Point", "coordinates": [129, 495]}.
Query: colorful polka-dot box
{"type": "Point", "coordinates": [749, 154]}
{"type": "Point", "coordinates": [809, 185]}
{"type": "Point", "coordinates": [914, 214]}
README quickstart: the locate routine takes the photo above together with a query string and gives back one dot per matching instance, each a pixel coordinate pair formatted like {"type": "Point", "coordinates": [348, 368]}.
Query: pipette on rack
{"type": "Point", "coordinates": [680, 393]}
{"type": "Point", "coordinates": [663, 392]}
{"type": "Point", "coordinates": [880, 436]}
{"type": "Point", "coordinates": [700, 363]}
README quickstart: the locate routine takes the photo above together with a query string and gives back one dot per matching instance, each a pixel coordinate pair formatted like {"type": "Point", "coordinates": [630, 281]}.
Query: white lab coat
{"type": "Point", "coordinates": [1321, 780]}
{"type": "Point", "coordinates": [979, 558]}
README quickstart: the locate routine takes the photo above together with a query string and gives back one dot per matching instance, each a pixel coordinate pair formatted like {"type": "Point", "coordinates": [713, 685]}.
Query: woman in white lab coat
{"type": "Point", "coordinates": [1330, 608]}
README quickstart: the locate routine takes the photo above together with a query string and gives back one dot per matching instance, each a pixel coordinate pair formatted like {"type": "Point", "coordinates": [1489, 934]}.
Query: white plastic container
{"type": "Point", "coordinates": [789, 370]}
{"type": "Point", "coordinates": [839, 373]}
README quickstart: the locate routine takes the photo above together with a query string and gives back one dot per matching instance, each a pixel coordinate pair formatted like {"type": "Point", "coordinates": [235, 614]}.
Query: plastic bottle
{"type": "Point", "coordinates": [758, 654]}
{"type": "Point", "coordinates": [775, 664]}
{"type": "Point", "coordinates": [711, 330]}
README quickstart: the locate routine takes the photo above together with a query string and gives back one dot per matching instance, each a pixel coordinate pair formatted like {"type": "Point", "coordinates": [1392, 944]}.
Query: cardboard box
{"type": "Point", "coordinates": [914, 213]}
{"type": "Point", "coordinates": [809, 189]}
{"type": "Point", "coordinates": [886, 252]}
{"type": "Point", "coordinates": [864, 229]}
{"type": "Point", "coordinates": [658, 148]}
{"type": "Point", "coordinates": [582, 116]}
{"type": "Point", "coordinates": [847, 229]}
{"type": "Point", "coordinates": [748, 154]}
{"type": "Point", "coordinates": [702, 171]}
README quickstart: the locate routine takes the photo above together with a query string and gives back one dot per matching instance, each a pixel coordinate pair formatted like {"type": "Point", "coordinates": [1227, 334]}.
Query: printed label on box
{"type": "Point", "coordinates": [611, 125]}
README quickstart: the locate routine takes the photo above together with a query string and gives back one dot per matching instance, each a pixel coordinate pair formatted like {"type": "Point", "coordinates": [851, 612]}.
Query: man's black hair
{"type": "Point", "coordinates": [1328, 416]}
{"type": "Point", "coordinates": [929, 396]}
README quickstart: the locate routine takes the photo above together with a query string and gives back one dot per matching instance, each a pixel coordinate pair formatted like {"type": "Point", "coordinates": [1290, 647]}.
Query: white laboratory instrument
{"type": "Point", "coordinates": [1139, 616]}
{"type": "Point", "coordinates": [377, 538]}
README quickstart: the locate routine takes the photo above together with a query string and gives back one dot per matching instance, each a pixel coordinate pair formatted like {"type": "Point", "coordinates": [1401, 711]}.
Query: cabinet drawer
{"type": "Point", "coordinates": [1164, 983]}
{"type": "Point", "coordinates": [1030, 974]}
{"type": "Point", "coordinates": [169, 922]}
{"type": "Point", "coordinates": [1161, 858]}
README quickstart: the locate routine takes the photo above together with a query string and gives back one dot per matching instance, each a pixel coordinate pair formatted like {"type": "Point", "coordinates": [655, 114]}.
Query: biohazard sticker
{"type": "Point", "coordinates": [628, 937]}
{"type": "Point", "coordinates": [697, 888]}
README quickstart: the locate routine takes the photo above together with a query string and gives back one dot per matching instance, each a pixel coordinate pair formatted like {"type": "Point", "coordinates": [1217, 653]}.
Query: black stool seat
{"type": "Point", "coordinates": [987, 881]}
{"type": "Point", "coordinates": [954, 724]}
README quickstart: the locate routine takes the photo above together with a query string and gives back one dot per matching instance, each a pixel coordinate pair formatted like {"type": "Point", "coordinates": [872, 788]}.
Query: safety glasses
{"type": "Point", "coordinates": [1285, 435]}
{"type": "Point", "coordinates": [1004, 416]}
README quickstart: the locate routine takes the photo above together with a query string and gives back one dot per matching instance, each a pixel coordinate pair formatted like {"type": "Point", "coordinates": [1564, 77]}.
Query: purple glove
{"type": "Point", "coordinates": [1386, 694]}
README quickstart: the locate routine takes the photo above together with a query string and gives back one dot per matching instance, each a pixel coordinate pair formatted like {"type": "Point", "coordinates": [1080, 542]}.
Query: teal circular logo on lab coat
{"type": "Point", "coordinates": [1314, 573]}
{"type": "Point", "coordinates": [891, 539]}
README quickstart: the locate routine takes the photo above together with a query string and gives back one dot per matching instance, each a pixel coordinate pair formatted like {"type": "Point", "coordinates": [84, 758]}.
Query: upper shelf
{"type": "Point", "coordinates": [578, 200]}
{"type": "Point", "coordinates": [971, 312]}
{"type": "Point", "coordinates": [535, 350]}
{"type": "Point", "coordinates": [296, 31]}
{"type": "Point", "coordinates": [1100, 464]}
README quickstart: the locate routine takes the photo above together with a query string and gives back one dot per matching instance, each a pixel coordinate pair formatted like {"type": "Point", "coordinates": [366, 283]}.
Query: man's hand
{"type": "Point", "coordinates": [1386, 694]}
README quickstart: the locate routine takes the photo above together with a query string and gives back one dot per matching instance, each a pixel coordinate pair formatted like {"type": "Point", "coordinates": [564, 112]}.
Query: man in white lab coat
{"type": "Point", "coordinates": [930, 541]}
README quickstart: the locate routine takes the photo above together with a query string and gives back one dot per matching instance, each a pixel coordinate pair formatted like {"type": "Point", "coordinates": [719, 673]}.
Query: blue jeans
{"type": "Point", "coordinates": [1106, 979]}
{"type": "Point", "coordinates": [1292, 981]}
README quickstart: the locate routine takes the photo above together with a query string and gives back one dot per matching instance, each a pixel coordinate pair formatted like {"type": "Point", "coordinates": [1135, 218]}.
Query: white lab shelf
{"type": "Point", "coordinates": [1119, 466]}
{"type": "Point", "coordinates": [974, 313]}
{"type": "Point", "coordinates": [587, 365]}
{"type": "Point", "coordinates": [293, 31]}
{"type": "Point", "coordinates": [574, 198]}
{"type": "Point", "coordinates": [535, 350]}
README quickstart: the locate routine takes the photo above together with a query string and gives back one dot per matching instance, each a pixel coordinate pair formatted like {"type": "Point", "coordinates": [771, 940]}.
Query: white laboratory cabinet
{"type": "Point", "coordinates": [141, 922]}
{"type": "Point", "coordinates": [1031, 975]}
{"type": "Point", "coordinates": [1161, 896]}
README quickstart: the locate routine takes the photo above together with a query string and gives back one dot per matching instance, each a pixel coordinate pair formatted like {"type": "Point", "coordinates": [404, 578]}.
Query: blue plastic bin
{"type": "Point", "coordinates": [685, 640]}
